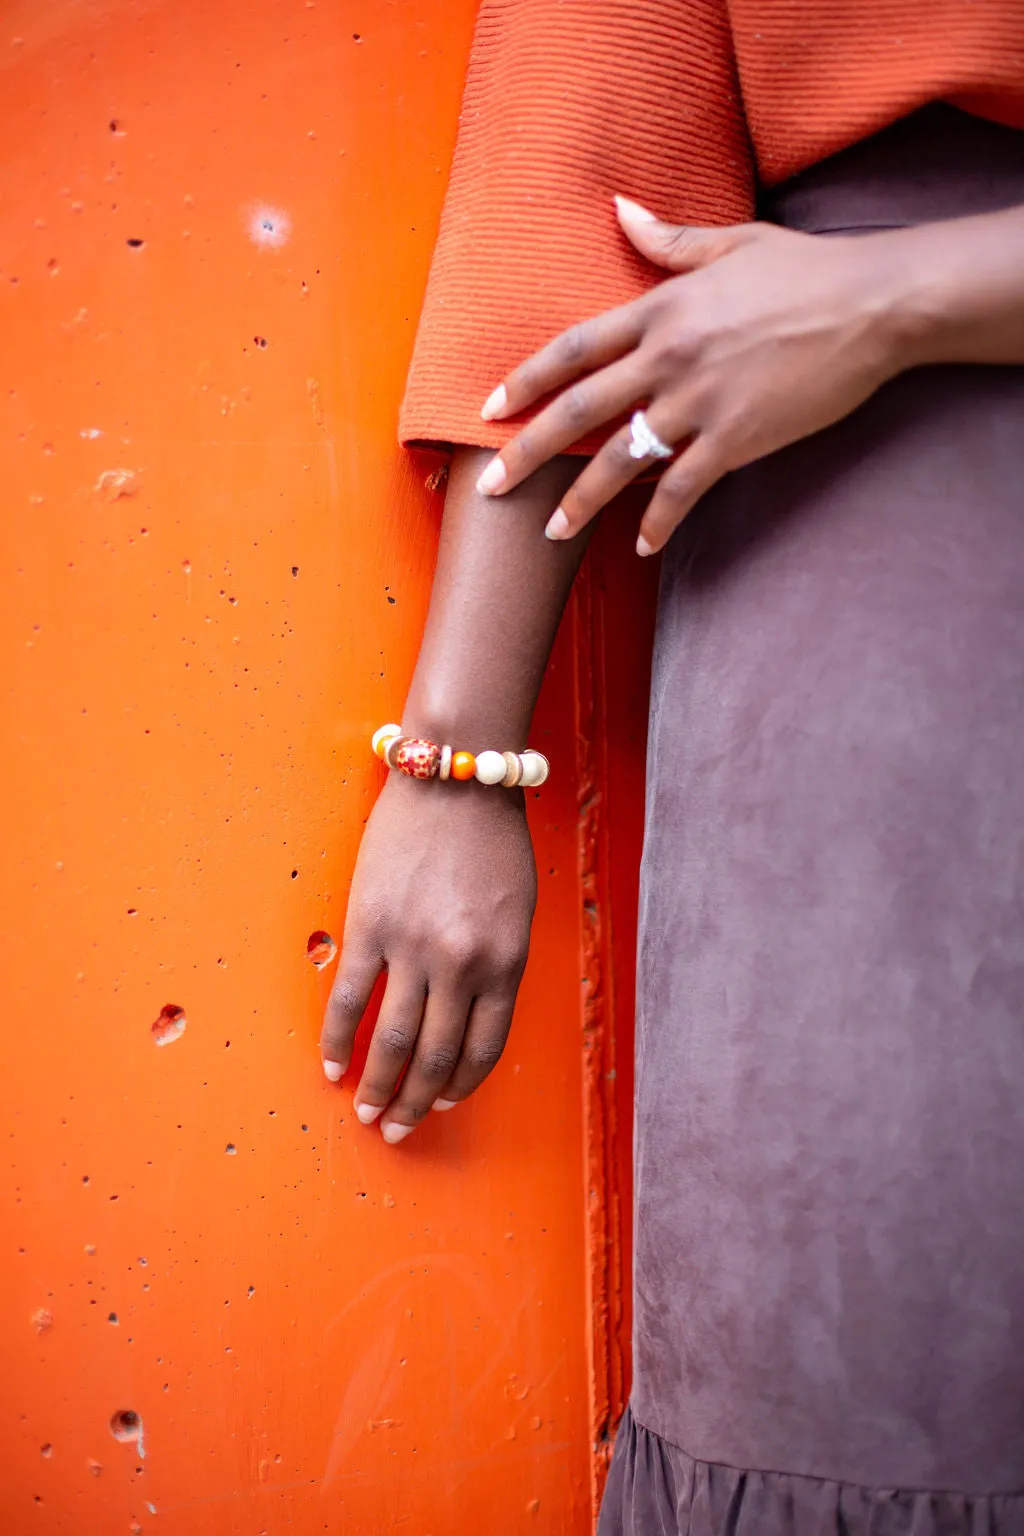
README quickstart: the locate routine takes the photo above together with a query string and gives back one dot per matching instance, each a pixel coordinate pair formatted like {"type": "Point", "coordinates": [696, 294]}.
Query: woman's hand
{"type": "Point", "coordinates": [442, 899]}
{"type": "Point", "coordinates": [768, 336]}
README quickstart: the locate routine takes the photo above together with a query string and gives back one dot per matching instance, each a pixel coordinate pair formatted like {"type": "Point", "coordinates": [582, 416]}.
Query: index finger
{"type": "Point", "coordinates": [580, 349]}
{"type": "Point", "coordinates": [349, 999]}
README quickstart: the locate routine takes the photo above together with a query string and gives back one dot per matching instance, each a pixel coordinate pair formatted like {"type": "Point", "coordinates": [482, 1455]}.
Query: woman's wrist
{"type": "Point", "coordinates": [476, 723]}
{"type": "Point", "coordinates": [953, 290]}
{"type": "Point", "coordinates": [887, 299]}
{"type": "Point", "coordinates": [910, 311]}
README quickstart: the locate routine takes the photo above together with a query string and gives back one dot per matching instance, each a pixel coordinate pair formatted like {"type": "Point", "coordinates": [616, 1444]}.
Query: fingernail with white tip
{"type": "Point", "coordinates": [495, 403]}
{"type": "Point", "coordinates": [443, 1104]}
{"type": "Point", "coordinates": [333, 1071]}
{"type": "Point", "coordinates": [492, 478]}
{"type": "Point", "coordinates": [642, 546]}
{"type": "Point", "coordinates": [394, 1132]}
{"type": "Point", "coordinates": [633, 210]}
{"type": "Point", "coordinates": [558, 526]}
{"type": "Point", "coordinates": [367, 1113]}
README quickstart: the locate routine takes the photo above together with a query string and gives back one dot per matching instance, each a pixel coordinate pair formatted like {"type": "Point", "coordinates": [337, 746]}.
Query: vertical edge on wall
{"type": "Point", "coordinates": [604, 1256]}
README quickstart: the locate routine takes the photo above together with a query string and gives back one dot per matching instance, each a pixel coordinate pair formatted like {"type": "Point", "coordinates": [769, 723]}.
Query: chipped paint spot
{"type": "Point", "coordinates": [269, 227]}
{"type": "Point", "coordinates": [170, 1024]}
{"type": "Point", "coordinates": [42, 1319]}
{"type": "Point", "coordinates": [313, 386]}
{"type": "Point", "coordinates": [126, 1427]}
{"type": "Point", "coordinates": [321, 948]}
{"type": "Point", "coordinates": [114, 484]}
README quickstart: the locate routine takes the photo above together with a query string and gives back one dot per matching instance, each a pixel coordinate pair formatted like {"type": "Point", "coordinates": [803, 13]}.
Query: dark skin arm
{"type": "Point", "coordinates": [763, 337]}
{"type": "Point", "coordinates": [445, 883]}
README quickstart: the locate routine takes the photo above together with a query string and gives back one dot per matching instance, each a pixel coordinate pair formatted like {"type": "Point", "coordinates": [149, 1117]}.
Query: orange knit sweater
{"type": "Point", "coordinates": [681, 104]}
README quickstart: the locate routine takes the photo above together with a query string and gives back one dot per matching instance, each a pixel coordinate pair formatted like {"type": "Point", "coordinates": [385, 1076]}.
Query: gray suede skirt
{"type": "Point", "coordinates": [830, 1034]}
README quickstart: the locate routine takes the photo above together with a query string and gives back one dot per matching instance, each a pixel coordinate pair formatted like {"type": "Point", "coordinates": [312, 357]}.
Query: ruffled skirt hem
{"type": "Point", "coordinates": [656, 1489]}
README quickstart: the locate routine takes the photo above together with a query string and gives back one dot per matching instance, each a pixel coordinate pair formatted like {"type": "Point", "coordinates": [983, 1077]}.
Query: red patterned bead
{"type": "Point", "coordinates": [418, 758]}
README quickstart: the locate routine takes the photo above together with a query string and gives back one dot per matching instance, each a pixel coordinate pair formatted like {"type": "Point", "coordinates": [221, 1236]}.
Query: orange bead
{"type": "Point", "coordinates": [463, 765]}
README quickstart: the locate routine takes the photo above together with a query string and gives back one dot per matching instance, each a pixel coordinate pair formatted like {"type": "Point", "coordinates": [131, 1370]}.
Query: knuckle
{"type": "Point", "coordinates": [439, 1062]}
{"type": "Point", "coordinates": [619, 457]}
{"type": "Point", "coordinates": [522, 448]}
{"type": "Point", "coordinates": [519, 384]}
{"type": "Point", "coordinates": [459, 949]}
{"type": "Point", "coordinates": [674, 489]}
{"type": "Point", "coordinates": [575, 406]}
{"type": "Point", "coordinates": [411, 1111]}
{"type": "Point", "coordinates": [346, 1000]}
{"type": "Point", "coordinates": [572, 347]}
{"type": "Point", "coordinates": [687, 243]}
{"type": "Point", "coordinates": [679, 346]}
{"type": "Point", "coordinates": [678, 240]}
{"type": "Point", "coordinates": [394, 1040]}
{"type": "Point", "coordinates": [481, 1056]}
{"type": "Point", "coordinates": [508, 960]}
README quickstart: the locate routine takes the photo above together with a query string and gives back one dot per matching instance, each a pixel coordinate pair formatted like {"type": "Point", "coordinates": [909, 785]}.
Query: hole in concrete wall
{"type": "Point", "coordinates": [135, 243]}
{"type": "Point", "coordinates": [169, 1025]}
{"type": "Point", "coordinates": [46, 1450]}
{"type": "Point", "coordinates": [126, 1426]}
{"type": "Point", "coordinates": [260, 341]}
{"type": "Point", "coordinates": [321, 948]}
{"type": "Point", "coordinates": [230, 1149]}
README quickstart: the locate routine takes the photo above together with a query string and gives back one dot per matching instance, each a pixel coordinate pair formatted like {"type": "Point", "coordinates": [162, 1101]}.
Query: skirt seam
{"type": "Point", "coordinates": [836, 1482]}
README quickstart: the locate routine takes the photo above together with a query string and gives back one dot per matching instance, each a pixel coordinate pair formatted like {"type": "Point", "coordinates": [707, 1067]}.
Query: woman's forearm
{"type": "Point", "coordinates": [444, 890]}
{"type": "Point", "coordinates": [499, 590]}
{"type": "Point", "coordinates": [959, 289]}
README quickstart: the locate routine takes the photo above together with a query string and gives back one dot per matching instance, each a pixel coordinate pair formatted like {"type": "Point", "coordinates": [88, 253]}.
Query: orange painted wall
{"type": "Point", "coordinates": [216, 228]}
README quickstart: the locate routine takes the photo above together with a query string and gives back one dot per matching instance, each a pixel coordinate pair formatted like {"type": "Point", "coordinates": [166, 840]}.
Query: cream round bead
{"type": "Point", "coordinates": [535, 769]}
{"type": "Point", "coordinates": [513, 770]}
{"type": "Point", "coordinates": [380, 736]}
{"type": "Point", "coordinates": [391, 747]}
{"type": "Point", "coordinates": [491, 767]}
{"type": "Point", "coordinates": [444, 768]}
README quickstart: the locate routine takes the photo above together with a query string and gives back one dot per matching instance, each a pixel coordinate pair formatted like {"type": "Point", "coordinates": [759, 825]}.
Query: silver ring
{"type": "Point", "coordinates": [646, 444]}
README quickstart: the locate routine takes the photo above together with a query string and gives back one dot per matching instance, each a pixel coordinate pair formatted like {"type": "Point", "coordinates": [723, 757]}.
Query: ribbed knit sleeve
{"type": "Point", "coordinates": [817, 77]}
{"type": "Point", "coordinates": [566, 103]}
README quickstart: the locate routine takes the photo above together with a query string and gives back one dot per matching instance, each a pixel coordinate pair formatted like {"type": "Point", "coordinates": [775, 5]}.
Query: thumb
{"type": "Point", "coordinates": [679, 247]}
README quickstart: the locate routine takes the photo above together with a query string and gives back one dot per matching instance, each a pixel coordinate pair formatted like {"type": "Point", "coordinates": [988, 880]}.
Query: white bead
{"type": "Point", "coordinates": [535, 769]}
{"type": "Point", "coordinates": [381, 735]}
{"type": "Point", "coordinates": [445, 765]}
{"type": "Point", "coordinates": [491, 767]}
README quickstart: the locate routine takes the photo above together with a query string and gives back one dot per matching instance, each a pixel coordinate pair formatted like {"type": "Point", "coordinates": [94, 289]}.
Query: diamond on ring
{"type": "Point", "coordinates": [646, 443]}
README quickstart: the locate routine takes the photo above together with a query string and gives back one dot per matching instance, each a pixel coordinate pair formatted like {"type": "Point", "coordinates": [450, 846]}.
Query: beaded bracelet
{"type": "Point", "coordinates": [422, 759]}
